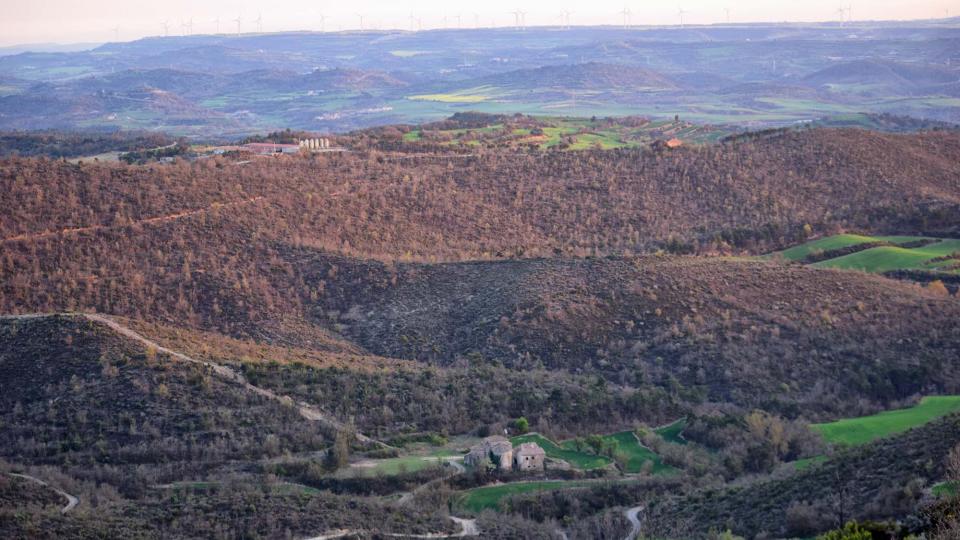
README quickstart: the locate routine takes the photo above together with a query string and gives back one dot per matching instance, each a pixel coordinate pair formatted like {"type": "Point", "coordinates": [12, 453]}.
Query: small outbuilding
{"type": "Point", "coordinates": [529, 457]}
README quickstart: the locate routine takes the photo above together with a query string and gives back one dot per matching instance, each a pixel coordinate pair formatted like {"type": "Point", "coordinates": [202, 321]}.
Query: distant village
{"type": "Point", "coordinates": [271, 149]}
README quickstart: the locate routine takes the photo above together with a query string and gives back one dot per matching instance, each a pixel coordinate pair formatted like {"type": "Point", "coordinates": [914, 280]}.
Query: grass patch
{"type": "Point", "coordinates": [580, 460]}
{"type": "Point", "coordinates": [673, 433]}
{"type": "Point", "coordinates": [946, 489]}
{"type": "Point", "coordinates": [855, 431]}
{"type": "Point", "coordinates": [806, 463]}
{"type": "Point", "coordinates": [397, 465]}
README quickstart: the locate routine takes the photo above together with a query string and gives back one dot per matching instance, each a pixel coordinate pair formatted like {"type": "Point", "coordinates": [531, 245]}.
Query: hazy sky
{"type": "Point", "coordinates": [66, 21]}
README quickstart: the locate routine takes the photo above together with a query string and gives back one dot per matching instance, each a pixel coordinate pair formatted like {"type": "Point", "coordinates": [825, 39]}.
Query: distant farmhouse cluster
{"type": "Point", "coordinates": [272, 149]}
{"type": "Point", "coordinates": [498, 452]}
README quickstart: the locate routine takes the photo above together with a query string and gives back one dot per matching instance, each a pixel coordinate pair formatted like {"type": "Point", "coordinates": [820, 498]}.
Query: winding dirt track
{"type": "Point", "coordinates": [468, 526]}
{"type": "Point", "coordinates": [633, 514]}
{"type": "Point", "coordinates": [307, 411]}
{"type": "Point", "coordinates": [71, 500]}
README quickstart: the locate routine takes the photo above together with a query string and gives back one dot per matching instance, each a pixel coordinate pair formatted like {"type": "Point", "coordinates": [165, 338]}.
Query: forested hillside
{"type": "Point", "coordinates": [293, 345]}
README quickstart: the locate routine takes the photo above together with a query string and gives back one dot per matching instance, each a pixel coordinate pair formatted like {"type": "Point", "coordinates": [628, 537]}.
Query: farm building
{"type": "Point", "coordinates": [529, 457]}
{"type": "Point", "coordinates": [498, 452]}
{"type": "Point", "coordinates": [267, 149]}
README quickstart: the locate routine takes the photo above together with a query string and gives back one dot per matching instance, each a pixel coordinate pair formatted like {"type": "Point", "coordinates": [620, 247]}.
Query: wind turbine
{"type": "Point", "coordinates": [186, 28]}
{"type": "Point", "coordinates": [116, 33]}
{"type": "Point", "coordinates": [360, 15]}
{"type": "Point", "coordinates": [626, 17]}
{"type": "Point", "coordinates": [239, 21]}
{"type": "Point", "coordinates": [518, 17]}
{"type": "Point", "coordinates": [727, 10]}
{"type": "Point", "coordinates": [217, 22]}
{"type": "Point", "coordinates": [458, 21]}
{"type": "Point", "coordinates": [840, 11]}
{"type": "Point", "coordinates": [166, 28]}
{"type": "Point", "coordinates": [323, 21]}
{"type": "Point", "coordinates": [476, 20]}
{"type": "Point", "coordinates": [565, 19]}
{"type": "Point", "coordinates": [681, 12]}
{"type": "Point", "coordinates": [259, 21]}
{"type": "Point", "coordinates": [412, 20]}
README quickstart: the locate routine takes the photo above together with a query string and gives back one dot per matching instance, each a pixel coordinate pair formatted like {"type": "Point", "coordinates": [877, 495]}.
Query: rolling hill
{"type": "Point", "coordinates": [589, 76]}
{"type": "Point", "coordinates": [874, 75]}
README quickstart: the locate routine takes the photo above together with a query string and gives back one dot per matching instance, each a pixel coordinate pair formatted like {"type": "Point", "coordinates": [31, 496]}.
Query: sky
{"type": "Point", "coordinates": [82, 21]}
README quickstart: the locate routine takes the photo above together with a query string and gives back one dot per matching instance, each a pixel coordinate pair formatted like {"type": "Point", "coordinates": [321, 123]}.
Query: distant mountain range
{"type": "Point", "coordinates": [756, 75]}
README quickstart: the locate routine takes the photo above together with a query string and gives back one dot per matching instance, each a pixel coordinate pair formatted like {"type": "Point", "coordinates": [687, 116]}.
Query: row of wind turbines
{"type": "Point", "coordinates": [186, 27]}
{"type": "Point", "coordinates": [844, 14]}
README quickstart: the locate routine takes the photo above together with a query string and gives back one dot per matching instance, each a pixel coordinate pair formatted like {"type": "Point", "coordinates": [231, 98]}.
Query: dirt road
{"type": "Point", "coordinates": [307, 411]}
{"type": "Point", "coordinates": [633, 515]}
{"type": "Point", "coordinates": [71, 500]}
{"type": "Point", "coordinates": [468, 527]}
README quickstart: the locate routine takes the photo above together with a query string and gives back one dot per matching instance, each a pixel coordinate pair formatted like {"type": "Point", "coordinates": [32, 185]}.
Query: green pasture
{"type": "Point", "coordinates": [635, 454]}
{"type": "Point", "coordinates": [883, 259]}
{"type": "Point", "coordinates": [840, 241]}
{"type": "Point", "coordinates": [855, 431]}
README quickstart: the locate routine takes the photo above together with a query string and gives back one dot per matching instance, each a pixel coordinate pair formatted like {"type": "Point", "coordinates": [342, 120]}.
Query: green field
{"type": "Point", "coordinates": [798, 253]}
{"type": "Point", "coordinates": [584, 132]}
{"type": "Point", "coordinates": [878, 259]}
{"type": "Point", "coordinates": [580, 460]}
{"type": "Point", "coordinates": [397, 465]}
{"type": "Point", "coordinates": [487, 497]}
{"type": "Point", "coordinates": [629, 447]}
{"type": "Point", "coordinates": [673, 433]}
{"type": "Point", "coordinates": [884, 259]}
{"type": "Point", "coordinates": [854, 431]}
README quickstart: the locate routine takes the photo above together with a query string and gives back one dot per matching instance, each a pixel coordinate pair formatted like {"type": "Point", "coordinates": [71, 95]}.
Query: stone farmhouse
{"type": "Point", "coordinates": [499, 453]}
{"type": "Point", "coordinates": [529, 457]}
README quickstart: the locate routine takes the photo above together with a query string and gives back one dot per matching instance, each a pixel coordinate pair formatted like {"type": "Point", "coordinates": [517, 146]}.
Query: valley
{"type": "Point", "coordinates": [539, 282]}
